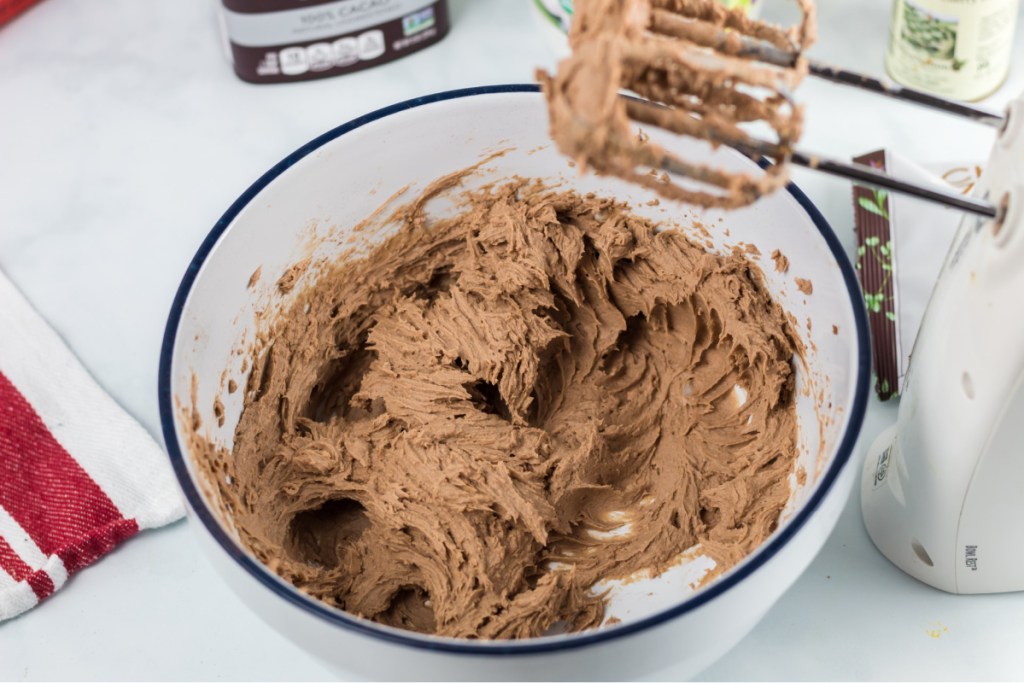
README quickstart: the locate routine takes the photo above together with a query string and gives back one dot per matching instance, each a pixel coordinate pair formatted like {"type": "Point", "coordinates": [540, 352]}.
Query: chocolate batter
{"type": "Point", "coordinates": [467, 430]}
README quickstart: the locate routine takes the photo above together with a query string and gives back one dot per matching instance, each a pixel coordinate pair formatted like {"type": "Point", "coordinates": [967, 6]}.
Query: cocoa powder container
{"type": "Point", "coordinates": [279, 41]}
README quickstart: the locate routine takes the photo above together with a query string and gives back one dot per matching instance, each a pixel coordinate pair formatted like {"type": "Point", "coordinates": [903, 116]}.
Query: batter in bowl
{"type": "Point", "coordinates": [466, 430]}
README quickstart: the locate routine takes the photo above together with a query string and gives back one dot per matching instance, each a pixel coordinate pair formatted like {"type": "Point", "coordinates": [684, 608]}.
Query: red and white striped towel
{"type": "Point", "coordinates": [77, 474]}
{"type": "Point", "coordinates": [11, 8]}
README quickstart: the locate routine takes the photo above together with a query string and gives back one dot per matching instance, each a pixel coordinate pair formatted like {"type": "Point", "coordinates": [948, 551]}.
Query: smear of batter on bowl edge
{"type": "Point", "coordinates": [467, 429]}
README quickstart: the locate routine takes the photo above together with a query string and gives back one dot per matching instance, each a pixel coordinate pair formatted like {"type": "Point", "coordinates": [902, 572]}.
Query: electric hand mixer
{"type": "Point", "coordinates": [942, 490]}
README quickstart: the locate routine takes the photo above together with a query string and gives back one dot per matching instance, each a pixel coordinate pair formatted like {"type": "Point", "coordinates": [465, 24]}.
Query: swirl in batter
{"type": "Point", "coordinates": [466, 430]}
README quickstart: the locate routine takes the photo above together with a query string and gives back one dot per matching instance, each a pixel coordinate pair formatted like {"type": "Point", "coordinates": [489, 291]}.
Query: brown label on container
{"type": "Point", "coordinates": [321, 56]}
{"type": "Point", "coordinates": [261, 6]}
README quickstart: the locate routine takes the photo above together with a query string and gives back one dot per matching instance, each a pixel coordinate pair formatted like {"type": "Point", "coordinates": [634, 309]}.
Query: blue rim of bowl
{"type": "Point", "coordinates": [485, 648]}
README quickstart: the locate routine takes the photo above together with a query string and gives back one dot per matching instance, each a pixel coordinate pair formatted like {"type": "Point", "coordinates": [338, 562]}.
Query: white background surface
{"type": "Point", "coordinates": [123, 137]}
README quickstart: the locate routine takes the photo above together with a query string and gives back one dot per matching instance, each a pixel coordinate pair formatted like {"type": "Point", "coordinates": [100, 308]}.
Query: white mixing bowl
{"type": "Point", "coordinates": [310, 201]}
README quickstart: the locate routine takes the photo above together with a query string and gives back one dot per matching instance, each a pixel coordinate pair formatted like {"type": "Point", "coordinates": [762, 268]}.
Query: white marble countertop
{"type": "Point", "coordinates": [123, 137]}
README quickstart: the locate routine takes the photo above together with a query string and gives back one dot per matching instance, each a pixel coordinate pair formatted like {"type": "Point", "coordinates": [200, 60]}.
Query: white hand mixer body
{"type": "Point", "coordinates": [942, 492]}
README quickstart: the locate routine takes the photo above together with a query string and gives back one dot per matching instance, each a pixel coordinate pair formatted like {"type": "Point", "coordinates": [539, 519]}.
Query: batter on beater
{"type": "Point", "coordinates": [692, 63]}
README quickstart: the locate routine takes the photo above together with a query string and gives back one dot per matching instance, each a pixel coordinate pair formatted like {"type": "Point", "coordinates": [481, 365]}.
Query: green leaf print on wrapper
{"type": "Point", "coordinates": [876, 204]}
{"type": "Point", "coordinates": [877, 302]}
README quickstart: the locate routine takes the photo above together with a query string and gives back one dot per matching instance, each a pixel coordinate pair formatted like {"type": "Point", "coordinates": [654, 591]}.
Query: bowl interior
{"type": "Point", "coordinates": [306, 209]}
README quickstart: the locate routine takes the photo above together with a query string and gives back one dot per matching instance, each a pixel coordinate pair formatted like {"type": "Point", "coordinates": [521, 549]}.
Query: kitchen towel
{"type": "Point", "coordinates": [78, 475]}
{"type": "Point", "coordinates": [11, 8]}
